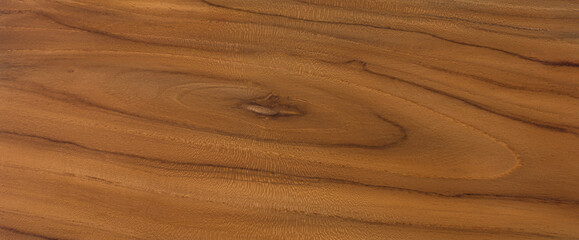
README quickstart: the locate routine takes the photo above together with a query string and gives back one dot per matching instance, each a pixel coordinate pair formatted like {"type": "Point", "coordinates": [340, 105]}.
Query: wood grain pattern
{"type": "Point", "coordinates": [289, 119]}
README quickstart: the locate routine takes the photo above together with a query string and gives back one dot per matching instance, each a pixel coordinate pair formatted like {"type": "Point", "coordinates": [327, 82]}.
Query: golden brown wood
{"type": "Point", "coordinates": [289, 119]}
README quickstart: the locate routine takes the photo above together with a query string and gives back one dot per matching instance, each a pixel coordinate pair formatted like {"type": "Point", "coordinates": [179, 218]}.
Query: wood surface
{"type": "Point", "coordinates": [289, 119]}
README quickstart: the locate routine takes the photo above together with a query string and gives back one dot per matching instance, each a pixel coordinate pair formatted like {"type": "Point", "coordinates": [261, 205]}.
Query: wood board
{"type": "Point", "coordinates": [303, 119]}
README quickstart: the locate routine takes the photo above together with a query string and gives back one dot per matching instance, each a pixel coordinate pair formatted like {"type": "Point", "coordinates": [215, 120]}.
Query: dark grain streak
{"type": "Point", "coordinates": [533, 59]}
{"type": "Point", "coordinates": [430, 17]}
{"type": "Point", "coordinates": [175, 166]}
{"type": "Point", "coordinates": [28, 233]}
{"type": "Point", "coordinates": [565, 129]}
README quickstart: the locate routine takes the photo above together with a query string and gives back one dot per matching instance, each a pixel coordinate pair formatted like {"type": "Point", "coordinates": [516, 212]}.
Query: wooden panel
{"type": "Point", "coordinates": [303, 119]}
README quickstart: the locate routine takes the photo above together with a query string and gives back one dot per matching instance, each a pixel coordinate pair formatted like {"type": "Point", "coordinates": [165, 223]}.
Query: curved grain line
{"type": "Point", "coordinates": [186, 166]}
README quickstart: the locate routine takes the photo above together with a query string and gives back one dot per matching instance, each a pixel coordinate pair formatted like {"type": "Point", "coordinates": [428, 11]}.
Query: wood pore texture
{"type": "Point", "coordinates": [289, 119]}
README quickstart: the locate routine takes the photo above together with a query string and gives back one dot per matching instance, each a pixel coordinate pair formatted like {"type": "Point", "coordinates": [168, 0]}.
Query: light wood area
{"type": "Point", "coordinates": [289, 119]}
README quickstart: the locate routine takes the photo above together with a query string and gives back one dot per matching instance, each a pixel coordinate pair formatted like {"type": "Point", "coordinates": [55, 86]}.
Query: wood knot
{"type": "Point", "coordinates": [261, 110]}
{"type": "Point", "coordinates": [272, 105]}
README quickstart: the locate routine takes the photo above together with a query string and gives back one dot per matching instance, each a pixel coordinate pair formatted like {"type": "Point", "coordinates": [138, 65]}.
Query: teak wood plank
{"type": "Point", "coordinates": [289, 119]}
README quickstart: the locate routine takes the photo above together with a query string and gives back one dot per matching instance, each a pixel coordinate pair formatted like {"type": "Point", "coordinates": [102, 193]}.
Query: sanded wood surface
{"type": "Point", "coordinates": [289, 119]}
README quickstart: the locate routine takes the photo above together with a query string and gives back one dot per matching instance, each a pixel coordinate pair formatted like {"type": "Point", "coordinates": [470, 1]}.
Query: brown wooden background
{"type": "Point", "coordinates": [289, 119]}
